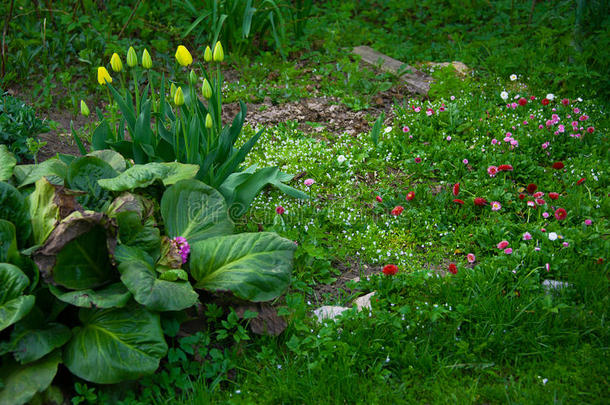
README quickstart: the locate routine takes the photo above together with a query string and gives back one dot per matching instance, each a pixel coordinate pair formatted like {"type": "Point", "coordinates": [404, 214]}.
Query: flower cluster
{"type": "Point", "coordinates": [182, 246]}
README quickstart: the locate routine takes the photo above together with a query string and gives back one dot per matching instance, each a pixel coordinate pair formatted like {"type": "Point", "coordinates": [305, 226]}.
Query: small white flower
{"type": "Point", "coordinates": [550, 96]}
{"type": "Point", "coordinates": [341, 158]}
{"type": "Point", "coordinates": [388, 130]}
{"type": "Point", "coordinates": [545, 380]}
{"type": "Point", "coordinates": [513, 77]}
{"type": "Point", "coordinates": [504, 95]}
{"type": "Point", "coordinates": [552, 236]}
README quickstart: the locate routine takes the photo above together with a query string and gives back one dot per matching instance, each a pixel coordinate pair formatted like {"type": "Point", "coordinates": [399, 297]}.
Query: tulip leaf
{"type": "Point", "coordinates": [115, 344]}
{"type": "Point", "coordinates": [195, 211]}
{"type": "Point", "coordinates": [21, 383]}
{"type": "Point", "coordinates": [253, 266]}
{"type": "Point", "coordinates": [13, 209]}
{"type": "Point", "coordinates": [13, 305]}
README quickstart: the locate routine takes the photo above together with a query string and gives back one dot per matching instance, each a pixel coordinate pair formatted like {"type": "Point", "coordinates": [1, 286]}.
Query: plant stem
{"type": "Point", "coordinates": [137, 91]}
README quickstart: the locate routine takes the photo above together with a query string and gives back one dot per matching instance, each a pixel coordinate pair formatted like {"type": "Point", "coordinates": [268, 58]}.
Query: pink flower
{"type": "Point", "coordinates": [590, 130]}
{"type": "Point", "coordinates": [566, 244]}
{"type": "Point", "coordinates": [452, 98]}
{"type": "Point", "coordinates": [378, 198]}
{"type": "Point", "coordinates": [540, 201]}
{"type": "Point", "coordinates": [545, 215]}
{"type": "Point", "coordinates": [531, 204]}
{"type": "Point", "coordinates": [495, 206]}
{"type": "Point", "coordinates": [527, 236]}
{"type": "Point", "coordinates": [547, 266]}
{"type": "Point", "coordinates": [576, 110]}
{"type": "Point", "coordinates": [418, 160]}
{"type": "Point", "coordinates": [182, 246]}
{"type": "Point", "coordinates": [492, 171]}
{"type": "Point", "coordinates": [540, 126]}
{"type": "Point", "coordinates": [583, 118]}
{"type": "Point", "coordinates": [405, 129]}
{"type": "Point", "coordinates": [494, 141]}
{"type": "Point", "coordinates": [279, 210]}
{"type": "Point", "coordinates": [441, 109]}
{"type": "Point", "coordinates": [417, 109]}
{"type": "Point", "coordinates": [508, 251]}
{"type": "Point", "coordinates": [465, 161]}
{"type": "Point", "coordinates": [429, 112]}
{"type": "Point", "coordinates": [448, 137]}
{"type": "Point", "coordinates": [561, 129]}
{"type": "Point", "coordinates": [588, 222]}
{"type": "Point", "coordinates": [471, 257]}
{"type": "Point", "coordinates": [502, 245]}
{"type": "Point", "coordinates": [545, 145]}
{"type": "Point", "coordinates": [309, 182]}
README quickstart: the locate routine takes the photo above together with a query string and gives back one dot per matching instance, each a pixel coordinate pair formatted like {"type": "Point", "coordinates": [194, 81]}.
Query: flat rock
{"type": "Point", "coordinates": [329, 312]}
{"type": "Point", "coordinates": [416, 80]}
{"type": "Point", "coordinates": [460, 68]}
{"type": "Point", "coordinates": [364, 302]}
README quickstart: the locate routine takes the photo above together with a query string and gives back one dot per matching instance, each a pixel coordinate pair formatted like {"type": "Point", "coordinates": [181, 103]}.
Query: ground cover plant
{"type": "Point", "coordinates": [477, 216]}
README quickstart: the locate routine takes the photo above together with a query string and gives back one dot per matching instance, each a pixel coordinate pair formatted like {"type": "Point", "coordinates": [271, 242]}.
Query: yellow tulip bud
{"type": "Point", "coordinates": [208, 121]}
{"type": "Point", "coordinates": [115, 62]}
{"type": "Point", "coordinates": [207, 55]}
{"type": "Point", "coordinates": [218, 52]}
{"type": "Point", "coordinates": [132, 58]}
{"type": "Point", "coordinates": [84, 110]}
{"type": "Point", "coordinates": [206, 89]}
{"type": "Point", "coordinates": [179, 97]}
{"type": "Point", "coordinates": [146, 60]}
{"type": "Point", "coordinates": [103, 76]}
{"type": "Point", "coordinates": [172, 90]}
{"type": "Point", "coordinates": [183, 56]}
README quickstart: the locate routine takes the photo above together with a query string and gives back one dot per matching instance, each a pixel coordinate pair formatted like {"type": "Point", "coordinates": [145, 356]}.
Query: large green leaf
{"type": "Point", "coordinates": [21, 383]}
{"type": "Point", "coordinates": [114, 159]}
{"type": "Point", "coordinates": [194, 211]}
{"type": "Point", "coordinates": [114, 345]}
{"type": "Point", "coordinates": [83, 174]}
{"type": "Point", "coordinates": [139, 176]}
{"type": "Point", "coordinates": [13, 209]}
{"type": "Point", "coordinates": [33, 338]}
{"type": "Point", "coordinates": [113, 296]}
{"type": "Point", "coordinates": [254, 266]}
{"type": "Point", "coordinates": [76, 254]}
{"type": "Point", "coordinates": [44, 210]}
{"type": "Point", "coordinates": [53, 169]}
{"type": "Point", "coordinates": [156, 294]}
{"type": "Point", "coordinates": [7, 163]}
{"type": "Point", "coordinates": [8, 243]}
{"type": "Point", "coordinates": [13, 305]}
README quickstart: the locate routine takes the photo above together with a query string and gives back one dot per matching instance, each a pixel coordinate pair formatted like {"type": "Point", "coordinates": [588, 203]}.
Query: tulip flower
{"type": "Point", "coordinates": [193, 77]}
{"type": "Point", "coordinates": [208, 121]}
{"type": "Point", "coordinates": [206, 89]}
{"type": "Point", "coordinates": [207, 55]}
{"type": "Point", "coordinates": [179, 97]}
{"type": "Point", "coordinates": [172, 90]}
{"type": "Point", "coordinates": [132, 58]}
{"type": "Point", "coordinates": [84, 110]}
{"type": "Point", "coordinates": [183, 56]}
{"type": "Point", "coordinates": [146, 60]}
{"type": "Point", "coordinates": [218, 52]}
{"type": "Point", "coordinates": [115, 62]}
{"type": "Point", "coordinates": [103, 76]}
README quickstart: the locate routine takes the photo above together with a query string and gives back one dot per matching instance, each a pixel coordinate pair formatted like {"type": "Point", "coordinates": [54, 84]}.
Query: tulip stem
{"type": "Point", "coordinates": [219, 98]}
{"type": "Point", "coordinates": [137, 91]}
{"type": "Point", "coordinates": [152, 91]}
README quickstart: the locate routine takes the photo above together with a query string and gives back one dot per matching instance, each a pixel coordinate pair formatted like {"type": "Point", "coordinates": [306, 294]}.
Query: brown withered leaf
{"type": "Point", "coordinates": [65, 199]}
{"type": "Point", "coordinates": [267, 322]}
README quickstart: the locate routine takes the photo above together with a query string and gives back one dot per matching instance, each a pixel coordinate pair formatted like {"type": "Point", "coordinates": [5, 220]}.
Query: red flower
{"type": "Point", "coordinates": [522, 101]}
{"type": "Point", "coordinates": [565, 101]}
{"type": "Point", "coordinates": [531, 188]}
{"type": "Point", "coordinates": [540, 201]}
{"type": "Point", "coordinates": [590, 130]}
{"type": "Point", "coordinates": [397, 210]}
{"type": "Point", "coordinates": [279, 210]}
{"type": "Point", "coordinates": [579, 182]}
{"type": "Point", "coordinates": [417, 159]}
{"type": "Point", "coordinates": [600, 260]}
{"type": "Point", "coordinates": [561, 214]}
{"type": "Point", "coordinates": [452, 268]}
{"type": "Point", "coordinates": [480, 201]}
{"type": "Point", "coordinates": [558, 165]}
{"type": "Point", "coordinates": [545, 101]}
{"type": "Point", "coordinates": [553, 195]}
{"type": "Point", "coordinates": [390, 269]}
{"type": "Point", "coordinates": [521, 196]}
{"type": "Point", "coordinates": [532, 98]}
{"type": "Point", "coordinates": [458, 201]}
{"type": "Point", "coordinates": [456, 189]}
{"type": "Point", "coordinates": [378, 198]}
{"type": "Point", "coordinates": [410, 195]}
{"type": "Point", "coordinates": [505, 168]}
{"type": "Point", "coordinates": [538, 194]}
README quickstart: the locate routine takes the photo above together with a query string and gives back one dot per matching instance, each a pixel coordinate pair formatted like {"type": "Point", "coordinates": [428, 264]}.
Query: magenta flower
{"type": "Point", "coordinates": [405, 129]}
{"type": "Point", "coordinates": [495, 206]}
{"type": "Point", "coordinates": [471, 257]}
{"type": "Point", "coordinates": [309, 182]}
{"type": "Point", "coordinates": [465, 161]}
{"type": "Point", "coordinates": [182, 246]}
{"type": "Point", "coordinates": [508, 251]}
{"type": "Point", "coordinates": [492, 171]}
{"type": "Point", "coordinates": [279, 210]}
{"type": "Point", "coordinates": [502, 245]}
{"type": "Point", "coordinates": [588, 222]}
{"type": "Point", "coordinates": [527, 236]}
{"type": "Point", "coordinates": [418, 160]}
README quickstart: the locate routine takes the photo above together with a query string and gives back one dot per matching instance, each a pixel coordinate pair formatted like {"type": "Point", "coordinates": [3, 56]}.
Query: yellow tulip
{"type": "Point", "coordinates": [218, 52]}
{"type": "Point", "coordinates": [103, 76]}
{"type": "Point", "coordinates": [172, 90]}
{"type": "Point", "coordinates": [183, 56]}
{"type": "Point", "coordinates": [206, 89]}
{"type": "Point", "coordinates": [146, 60]}
{"type": "Point", "coordinates": [132, 58]}
{"type": "Point", "coordinates": [208, 121]}
{"type": "Point", "coordinates": [84, 110]}
{"type": "Point", "coordinates": [179, 97]}
{"type": "Point", "coordinates": [115, 62]}
{"type": "Point", "coordinates": [207, 55]}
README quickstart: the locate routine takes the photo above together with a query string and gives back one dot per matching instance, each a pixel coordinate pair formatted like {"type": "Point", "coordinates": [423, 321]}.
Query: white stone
{"type": "Point", "coordinates": [554, 285]}
{"type": "Point", "coordinates": [364, 301]}
{"type": "Point", "coordinates": [329, 312]}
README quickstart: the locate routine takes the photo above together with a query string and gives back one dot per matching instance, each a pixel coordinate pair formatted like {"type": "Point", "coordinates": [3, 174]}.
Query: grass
{"type": "Point", "coordinates": [492, 333]}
